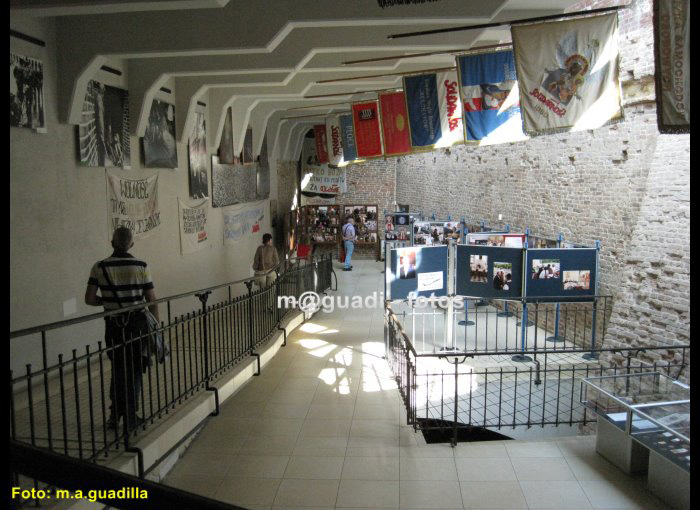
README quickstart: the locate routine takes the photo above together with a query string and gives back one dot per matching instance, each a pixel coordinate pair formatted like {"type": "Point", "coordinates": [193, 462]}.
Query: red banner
{"type": "Point", "coordinates": [368, 139]}
{"type": "Point", "coordinates": [397, 139]}
{"type": "Point", "coordinates": [321, 143]}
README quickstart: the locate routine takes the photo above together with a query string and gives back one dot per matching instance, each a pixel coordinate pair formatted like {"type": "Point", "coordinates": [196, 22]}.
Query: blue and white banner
{"type": "Point", "coordinates": [348, 138]}
{"type": "Point", "coordinates": [434, 109]}
{"type": "Point", "coordinates": [490, 98]}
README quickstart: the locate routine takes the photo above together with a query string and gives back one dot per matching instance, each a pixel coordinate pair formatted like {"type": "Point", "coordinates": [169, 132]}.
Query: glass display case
{"type": "Point", "coordinates": [644, 425]}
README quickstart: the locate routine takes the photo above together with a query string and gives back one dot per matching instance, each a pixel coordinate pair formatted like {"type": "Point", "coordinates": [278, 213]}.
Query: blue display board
{"type": "Point", "coordinates": [554, 274]}
{"type": "Point", "coordinates": [489, 271]}
{"type": "Point", "coordinates": [420, 271]}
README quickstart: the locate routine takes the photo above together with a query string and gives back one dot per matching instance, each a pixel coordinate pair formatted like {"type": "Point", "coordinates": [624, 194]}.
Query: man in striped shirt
{"type": "Point", "coordinates": [123, 281]}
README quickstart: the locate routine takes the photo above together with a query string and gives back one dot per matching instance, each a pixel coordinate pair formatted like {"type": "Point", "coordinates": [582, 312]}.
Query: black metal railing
{"type": "Point", "coordinates": [64, 405]}
{"type": "Point", "coordinates": [491, 388]}
{"type": "Point", "coordinates": [497, 326]}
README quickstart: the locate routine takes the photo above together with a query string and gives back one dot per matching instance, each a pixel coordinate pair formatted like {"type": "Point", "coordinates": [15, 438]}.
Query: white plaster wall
{"type": "Point", "coordinates": [59, 225]}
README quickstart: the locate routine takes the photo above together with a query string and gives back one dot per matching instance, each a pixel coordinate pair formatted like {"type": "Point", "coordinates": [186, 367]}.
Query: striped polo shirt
{"type": "Point", "coordinates": [129, 277]}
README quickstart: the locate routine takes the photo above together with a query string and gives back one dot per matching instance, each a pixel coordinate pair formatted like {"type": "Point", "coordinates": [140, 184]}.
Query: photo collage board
{"type": "Point", "coordinates": [560, 274]}
{"type": "Point", "coordinates": [320, 223]}
{"type": "Point", "coordinates": [436, 233]}
{"type": "Point", "coordinates": [489, 271]}
{"type": "Point", "coordinates": [366, 222]}
{"type": "Point", "coordinates": [397, 227]}
{"type": "Point", "coordinates": [417, 271]}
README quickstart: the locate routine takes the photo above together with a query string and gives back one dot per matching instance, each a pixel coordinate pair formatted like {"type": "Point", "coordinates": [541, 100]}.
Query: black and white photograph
{"type": "Point", "coordinates": [26, 92]}
{"type": "Point", "coordinates": [159, 147]}
{"type": "Point", "coordinates": [263, 159]}
{"type": "Point", "coordinates": [262, 181]}
{"type": "Point", "coordinates": [247, 154]}
{"type": "Point", "coordinates": [544, 269]}
{"type": "Point", "coordinates": [478, 268]}
{"type": "Point", "coordinates": [226, 155]}
{"type": "Point", "coordinates": [577, 280]}
{"type": "Point", "coordinates": [103, 132]}
{"type": "Point", "coordinates": [197, 149]}
{"type": "Point", "coordinates": [502, 275]}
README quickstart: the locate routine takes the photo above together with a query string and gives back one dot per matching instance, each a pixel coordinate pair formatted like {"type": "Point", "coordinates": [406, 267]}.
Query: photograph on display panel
{"type": "Point", "coordinates": [543, 269]}
{"type": "Point", "coordinates": [197, 155]}
{"type": "Point", "coordinates": [577, 280]}
{"type": "Point", "coordinates": [453, 230]}
{"type": "Point", "coordinates": [422, 233]}
{"type": "Point", "coordinates": [478, 268]}
{"type": "Point", "coordinates": [420, 271]}
{"type": "Point", "coordinates": [159, 147]}
{"type": "Point", "coordinates": [26, 92]}
{"type": "Point", "coordinates": [502, 275]}
{"type": "Point", "coordinates": [103, 131]}
{"type": "Point", "coordinates": [407, 264]}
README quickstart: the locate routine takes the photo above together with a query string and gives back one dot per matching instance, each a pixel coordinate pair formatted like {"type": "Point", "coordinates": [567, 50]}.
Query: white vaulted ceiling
{"type": "Point", "coordinates": [260, 57]}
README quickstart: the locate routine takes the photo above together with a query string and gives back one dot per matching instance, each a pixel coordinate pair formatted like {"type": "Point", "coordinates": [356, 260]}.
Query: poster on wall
{"type": "Point", "coordinates": [133, 203]}
{"type": "Point", "coordinates": [27, 93]}
{"type": "Point", "coordinates": [321, 143]}
{"type": "Point", "coordinates": [368, 138]}
{"type": "Point", "coordinates": [262, 181]}
{"type": "Point", "coordinates": [159, 147]}
{"type": "Point", "coordinates": [434, 109]}
{"type": "Point", "coordinates": [672, 59]}
{"type": "Point", "coordinates": [490, 97]}
{"type": "Point", "coordinates": [103, 132]}
{"type": "Point", "coordinates": [397, 139]}
{"type": "Point", "coordinates": [571, 82]}
{"type": "Point", "coordinates": [348, 138]}
{"type": "Point", "coordinates": [334, 139]}
{"type": "Point", "coordinates": [225, 153]}
{"type": "Point", "coordinates": [263, 160]}
{"type": "Point", "coordinates": [197, 155]}
{"type": "Point", "coordinates": [243, 220]}
{"type": "Point", "coordinates": [193, 226]}
{"type": "Point", "coordinates": [247, 154]}
{"type": "Point", "coordinates": [232, 184]}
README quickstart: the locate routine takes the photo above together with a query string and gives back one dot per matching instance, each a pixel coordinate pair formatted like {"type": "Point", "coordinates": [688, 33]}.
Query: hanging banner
{"type": "Point", "coordinates": [335, 146]}
{"type": "Point", "coordinates": [434, 109]}
{"type": "Point", "coordinates": [490, 98]}
{"type": "Point", "coordinates": [571, 81]}
{"type": "Point", "coordinates": [395, 133]}
{"type": "Point", "coordinates": [672, 56]}
{"type": "Point", "coordinates": [133, 203]}
{"type": "Point", "coordinates": [368, 138]}
{"type": "Point", "coordinates": [243, 220]}
{"type": "Point", "coordinates": [321, 143]}
{"type": "Point", "coordinates": [316, 177]}
{"type": "Point", "coordinates": [348, 138]}
{"type": "Point", "coordinates": [193, 226]}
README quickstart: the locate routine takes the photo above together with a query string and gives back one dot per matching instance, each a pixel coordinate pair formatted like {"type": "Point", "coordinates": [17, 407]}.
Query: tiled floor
{"type": "Point", "coordinates": [323, 427]}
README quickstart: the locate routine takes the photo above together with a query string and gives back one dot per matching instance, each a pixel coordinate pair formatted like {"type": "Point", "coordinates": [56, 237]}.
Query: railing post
{"type": "Point", "coordinates": [249, 286]}
{"type": "Point", "coordinates": [593, 355]}
{"type": "Point", "coordinates": [203, 297]}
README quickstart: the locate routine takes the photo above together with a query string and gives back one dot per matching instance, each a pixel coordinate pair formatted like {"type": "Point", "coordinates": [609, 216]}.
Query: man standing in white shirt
{"type": "Point", "coordinates": [349, 236]}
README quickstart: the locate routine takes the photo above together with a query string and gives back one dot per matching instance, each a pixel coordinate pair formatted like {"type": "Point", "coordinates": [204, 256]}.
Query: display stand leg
{"type": "Point", "coordinates": [556, 337]}
{"type": "Point", "coordinates": [593, 355]}
{"type": "Point", "coordinates": [523, 328]}
{"type": "Point", "coordinates": [505, 312]}
{"type": "Point", "coordinates": [466, 321]}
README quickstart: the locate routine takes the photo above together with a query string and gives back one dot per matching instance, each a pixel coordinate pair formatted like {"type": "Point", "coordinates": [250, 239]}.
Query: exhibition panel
{"type": "Point", "coordinates": [561, 274]}
{"type": "Point", "coordinates": [489, 272]}
{"type": "Point", "coordinates": [416, 272]}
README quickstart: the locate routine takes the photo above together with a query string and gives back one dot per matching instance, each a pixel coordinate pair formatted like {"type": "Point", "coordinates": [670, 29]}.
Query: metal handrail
{"type": "Point", "coordinates": [86, 318]}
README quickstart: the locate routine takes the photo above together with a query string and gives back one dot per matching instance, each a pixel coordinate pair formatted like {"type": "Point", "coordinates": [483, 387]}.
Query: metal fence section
{"type": "Point", "coordinates": [484, 385]}
{"type": "Point", "coordinates": [64, 405]}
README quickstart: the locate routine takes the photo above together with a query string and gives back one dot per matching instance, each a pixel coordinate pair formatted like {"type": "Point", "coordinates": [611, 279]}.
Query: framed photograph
{"type": "Point", "coordinates": [26, 92]}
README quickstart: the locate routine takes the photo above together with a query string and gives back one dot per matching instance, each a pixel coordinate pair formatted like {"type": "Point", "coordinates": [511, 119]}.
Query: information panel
{"type": "Point", "coordinates": [489, 271]}
{"type": "Point", "coordinates": [561, 274]}
{"type": "Point", "coordinates": [419, 271]}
